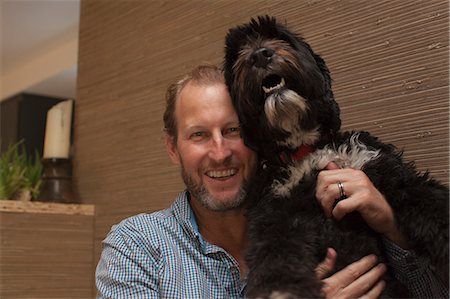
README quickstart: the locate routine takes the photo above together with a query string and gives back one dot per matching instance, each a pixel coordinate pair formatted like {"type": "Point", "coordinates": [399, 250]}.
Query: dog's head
{"type": "Point", "coordinates": [280, 88]}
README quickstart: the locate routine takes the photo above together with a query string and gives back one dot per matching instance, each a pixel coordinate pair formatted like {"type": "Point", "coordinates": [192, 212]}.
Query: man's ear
{"type": "Point", "coordinates": [171, 149]}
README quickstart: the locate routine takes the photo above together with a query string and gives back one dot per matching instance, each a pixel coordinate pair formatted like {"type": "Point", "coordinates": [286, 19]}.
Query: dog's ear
{"type": "Point", "coordinates": [332, 116]}
{"type": "Point", "coordinates": [233, 41]}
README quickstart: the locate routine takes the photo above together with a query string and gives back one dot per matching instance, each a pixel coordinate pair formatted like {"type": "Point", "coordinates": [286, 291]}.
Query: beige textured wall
{"type": "Point", "coordinates": [389, 61]}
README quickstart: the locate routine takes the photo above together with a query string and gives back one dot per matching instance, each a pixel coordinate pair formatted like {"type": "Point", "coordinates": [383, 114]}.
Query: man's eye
{"type": "Point", "coordinates": [234, 131]}
{"type": "Point", "coordinates": [197, 135]}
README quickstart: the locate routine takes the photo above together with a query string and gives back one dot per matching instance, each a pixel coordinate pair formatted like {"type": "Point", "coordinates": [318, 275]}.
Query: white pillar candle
{"type": "Point", "coordinates": [57, 130]}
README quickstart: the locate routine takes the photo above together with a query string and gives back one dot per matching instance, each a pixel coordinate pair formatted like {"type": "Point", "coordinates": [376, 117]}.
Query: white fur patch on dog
{"type": "Point", "coordinates": [283, 110]}
{"type": "Point", "coordinates": [349, 155]}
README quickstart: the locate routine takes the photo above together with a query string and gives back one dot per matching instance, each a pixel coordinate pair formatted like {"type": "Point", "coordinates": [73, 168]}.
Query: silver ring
{"type": "Point", "coordinates": [341, 190]}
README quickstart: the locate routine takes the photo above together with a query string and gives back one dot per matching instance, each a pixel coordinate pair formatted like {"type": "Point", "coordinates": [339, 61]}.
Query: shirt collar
{"type": "Point", "coordinates": [186, 217]}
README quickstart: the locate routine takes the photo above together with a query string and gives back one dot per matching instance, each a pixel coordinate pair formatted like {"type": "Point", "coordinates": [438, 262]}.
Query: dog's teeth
{"type": "Point", "coordinates": [278, 86]}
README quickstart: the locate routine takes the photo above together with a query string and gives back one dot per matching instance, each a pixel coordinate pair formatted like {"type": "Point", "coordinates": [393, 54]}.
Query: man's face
{"type": "Point", "coordinates": [215, 163]}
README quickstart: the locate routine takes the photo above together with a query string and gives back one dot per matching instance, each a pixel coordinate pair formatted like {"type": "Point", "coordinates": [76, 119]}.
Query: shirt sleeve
{"type": "Point", "coordinates": [414, 273]}
{"type": "Point", "coordinates": [127, 269]}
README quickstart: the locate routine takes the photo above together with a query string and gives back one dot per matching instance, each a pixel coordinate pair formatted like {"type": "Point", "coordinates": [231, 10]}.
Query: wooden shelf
{"type": "Point", "coordinates": [45, 208]}
{"type": "Point", "coordinates": [46, 250]}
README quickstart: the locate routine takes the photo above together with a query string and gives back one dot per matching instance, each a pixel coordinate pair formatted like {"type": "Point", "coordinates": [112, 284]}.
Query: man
{"type": "Point", "coordinates": [196, 248]}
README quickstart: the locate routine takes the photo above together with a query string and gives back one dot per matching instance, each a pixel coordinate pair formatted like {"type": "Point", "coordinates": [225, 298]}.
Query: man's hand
{"type": "Point", "coordinates": [362, 196]}
{"type": "Point", "coordinates": [358, 280]}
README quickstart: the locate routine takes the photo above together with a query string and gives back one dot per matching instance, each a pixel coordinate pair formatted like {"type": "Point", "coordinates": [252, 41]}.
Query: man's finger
{"type": "Point", "coordinates": [346, 206]}
{"type": "Point", "coordinates": [375, 292]}
{"type": "Point", "coordinates": [353, 271]}
{"type": "Point", "coordinates": [327, 265]}
{"type": "Point", "coordinates": [365, 283]}
{"type": "Point", "coordinates": [332, 166]}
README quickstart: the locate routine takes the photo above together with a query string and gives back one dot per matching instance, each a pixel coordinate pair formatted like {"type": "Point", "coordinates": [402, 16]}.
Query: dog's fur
{"type": "Point", "coordinates": [289, 233]}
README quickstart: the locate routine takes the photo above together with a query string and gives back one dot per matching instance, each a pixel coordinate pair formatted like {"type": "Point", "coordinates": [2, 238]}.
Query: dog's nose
{"type": "Point", "coordinates": [262, 57]}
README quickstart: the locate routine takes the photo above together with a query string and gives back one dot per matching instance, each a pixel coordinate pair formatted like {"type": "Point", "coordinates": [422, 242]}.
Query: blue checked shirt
{"type": "Point", "coordinates": [163, 255]}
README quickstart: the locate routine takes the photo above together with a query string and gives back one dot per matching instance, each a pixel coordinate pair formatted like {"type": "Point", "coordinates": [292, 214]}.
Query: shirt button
{"type": "Point", "coordinates": [235, 270]}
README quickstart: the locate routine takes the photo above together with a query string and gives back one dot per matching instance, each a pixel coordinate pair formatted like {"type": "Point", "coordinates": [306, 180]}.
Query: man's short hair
{"type": "Point", "coordinates": [201, 75]}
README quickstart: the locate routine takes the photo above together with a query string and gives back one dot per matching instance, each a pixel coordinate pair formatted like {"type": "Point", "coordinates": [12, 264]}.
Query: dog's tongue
{"type": "Point", "coordinates": [272, 82]}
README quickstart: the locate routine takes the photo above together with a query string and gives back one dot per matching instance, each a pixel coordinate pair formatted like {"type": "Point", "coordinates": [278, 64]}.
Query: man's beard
{"type": "Point", "coordinates": [198, 191]}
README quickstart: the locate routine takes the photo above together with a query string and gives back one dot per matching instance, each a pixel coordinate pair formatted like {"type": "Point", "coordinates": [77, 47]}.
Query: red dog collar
{"type": "Point", "coordinates": [298, 155]}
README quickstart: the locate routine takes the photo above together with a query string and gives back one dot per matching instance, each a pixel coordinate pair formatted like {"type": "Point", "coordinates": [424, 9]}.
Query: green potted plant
{"type": "Point", "coordinates": [20, 176]}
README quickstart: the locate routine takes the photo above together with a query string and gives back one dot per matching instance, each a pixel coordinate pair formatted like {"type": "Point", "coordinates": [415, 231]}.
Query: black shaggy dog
{"type": "Point", "coordinates": [282, 92]}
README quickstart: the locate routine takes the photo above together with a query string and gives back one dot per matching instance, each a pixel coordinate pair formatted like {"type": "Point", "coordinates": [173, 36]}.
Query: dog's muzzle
{"type": "Point", "coordinates": [262, 57]}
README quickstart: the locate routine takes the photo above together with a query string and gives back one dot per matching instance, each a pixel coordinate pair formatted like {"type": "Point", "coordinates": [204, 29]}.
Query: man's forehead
{"type": "Point", "coordinates": [194, 93]}
{"type": "Point", "coordinates": [199, 103]}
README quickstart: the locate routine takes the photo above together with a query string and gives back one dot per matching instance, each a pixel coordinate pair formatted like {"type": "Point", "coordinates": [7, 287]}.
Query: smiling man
{"type": "Point", "coordinates": [215, 164]}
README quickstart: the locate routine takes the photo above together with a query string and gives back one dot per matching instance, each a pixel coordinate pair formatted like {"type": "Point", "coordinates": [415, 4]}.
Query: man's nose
{"type": "Point", "coordinates": [220, 150]}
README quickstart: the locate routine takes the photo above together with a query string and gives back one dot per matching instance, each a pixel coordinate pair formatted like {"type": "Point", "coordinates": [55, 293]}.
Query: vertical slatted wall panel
{"type": "Point", "coordinates": [389, 61]}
